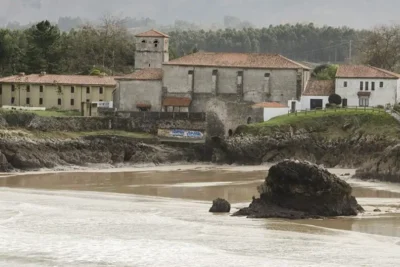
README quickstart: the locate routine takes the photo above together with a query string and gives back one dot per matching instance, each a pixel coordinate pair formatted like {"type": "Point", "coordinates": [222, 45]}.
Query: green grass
{"type": "Point", "coordinates": [330, 123]}
{"type": "Point", "coordinates": [48, 113]}
{"type": "Point", "coordinates": [75, 135]}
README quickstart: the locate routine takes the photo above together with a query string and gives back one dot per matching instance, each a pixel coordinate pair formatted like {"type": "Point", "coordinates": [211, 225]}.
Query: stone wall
{"type": "Point", "coordinates": [134, 92]}
{"type": "Point", "coordinates": [149, 124]}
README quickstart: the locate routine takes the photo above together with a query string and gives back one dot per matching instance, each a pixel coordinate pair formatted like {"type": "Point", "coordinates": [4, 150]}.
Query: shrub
{"type": "Point", "coordinates": [380, 106]}
{"type": "Point", "coordinates": [335, 99]}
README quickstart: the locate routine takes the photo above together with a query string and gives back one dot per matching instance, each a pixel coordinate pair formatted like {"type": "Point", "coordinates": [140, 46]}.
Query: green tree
{"type": "Point", "coordinates": [325, 72]}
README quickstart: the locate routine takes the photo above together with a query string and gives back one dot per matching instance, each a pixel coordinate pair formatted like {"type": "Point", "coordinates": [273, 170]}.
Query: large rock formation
{"type": "Point", "coordinates": [297, 190]}
{"type": "Point", "coordinates": [384, 168]}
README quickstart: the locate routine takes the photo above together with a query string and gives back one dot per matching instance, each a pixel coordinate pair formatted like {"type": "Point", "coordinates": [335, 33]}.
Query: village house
{"type": "Point", "coordinates": [64, 92]}
{"type": "Point", "coordinates": [187, 84]}
{"type": "Point", "coordinates": [316, 94]}
{"type": "Point", "coordinates": [364, 86]}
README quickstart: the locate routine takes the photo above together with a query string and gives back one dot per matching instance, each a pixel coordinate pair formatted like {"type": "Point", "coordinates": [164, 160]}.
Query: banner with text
{"type": "Point", "coordinates": [177, 133]}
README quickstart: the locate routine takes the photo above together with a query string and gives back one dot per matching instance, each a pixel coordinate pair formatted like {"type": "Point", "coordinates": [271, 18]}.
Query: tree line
{"type": "Point", "coordinates": [109, 47]}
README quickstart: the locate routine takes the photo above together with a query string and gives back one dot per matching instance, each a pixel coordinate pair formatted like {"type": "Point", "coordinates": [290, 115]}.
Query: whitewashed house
{"type": "Point", "coordinates": [316, 94]}
{"type": "Point", "coordinates": [272, 109]}
{"type": "Point", "coordinates": [364, 86]}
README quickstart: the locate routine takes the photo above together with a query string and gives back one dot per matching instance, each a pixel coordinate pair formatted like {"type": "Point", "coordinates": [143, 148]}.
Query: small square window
{"type": "Point", "coordinates": [190, 72]}
{"type": "Point", "coordinates": [344, 84]}
{"type": "Point", "coordinates": [101, 100]}
{"type": "Point", "coordinates": [13, 87]}
{"type": "Point", "coordinates": [267, 75]}
{"type": "Point", "coordinates": [40, 101]}
{"type": "Point", "coordinates": [72, 89]}
{"type": "Point", "coordinates": [41, 89]}
{"type": "Point", "coordinates": [215, 72]}
{"type": "Point", "coordinates": [87, 90]}
{"type": "Point", "coordinates": [12, 100]}
{"type": "Point", "coordinates": [28, 88]}
{"type": "Point", "coordinates": [87, 100]}
{"type": "Point", "coordinates": [381, 84]}
{"type": "Point", "coordinates": [59, 101]}
{"type": "Point", "coordinates": [28, 101]}
{"type": "Point", "coordinates": [101, 90]}
{"type": "Point", "coordinates": [240, 73]}
{"type": "Point", "coordinates": [72, 102]}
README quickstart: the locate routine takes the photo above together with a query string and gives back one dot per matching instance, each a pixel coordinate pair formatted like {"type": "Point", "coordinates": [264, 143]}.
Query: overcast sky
{"type": "Point", "coordinates": [353, 13]}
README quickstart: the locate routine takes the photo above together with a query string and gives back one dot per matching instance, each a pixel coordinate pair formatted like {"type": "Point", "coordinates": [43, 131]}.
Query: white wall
{"type": "Point", "coordinates": [380, 96]}
{"type": "Point", "coordinates": [305, 101]}
{"type": "Point", "coordinates": [270, 113]}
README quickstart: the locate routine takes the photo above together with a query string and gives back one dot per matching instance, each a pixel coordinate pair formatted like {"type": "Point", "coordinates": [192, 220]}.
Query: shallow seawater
{"type": "Point", "coordinates": [161, 219]}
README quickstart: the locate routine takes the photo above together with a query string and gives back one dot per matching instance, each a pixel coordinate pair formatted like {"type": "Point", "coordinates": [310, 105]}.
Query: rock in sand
{"type": "Point", "coordinates": [220, 205]}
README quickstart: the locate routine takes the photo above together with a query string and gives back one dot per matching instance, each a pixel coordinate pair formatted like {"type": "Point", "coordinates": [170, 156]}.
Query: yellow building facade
{"type": "Point", "coordinates": [64, 92]}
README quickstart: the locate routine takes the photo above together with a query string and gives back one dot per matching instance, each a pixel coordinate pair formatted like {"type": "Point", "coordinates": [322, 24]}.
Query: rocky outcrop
{"type": "Point", "coordinates": [297, 190]}
{"type": "Point", "coordinates": [220, 206]}
{"type": "Point", "coordinates": [386, 167]}
{"type": "Point", "coordinates": [24, 153]}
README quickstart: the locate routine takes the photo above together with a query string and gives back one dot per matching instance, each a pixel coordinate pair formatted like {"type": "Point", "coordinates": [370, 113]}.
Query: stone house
{"type": "Point", "coordinates": [64, 92]}
{"type": "Point", "coordinates": [364, 86]}
{"type": "Point", "coordinates": [187, 84]}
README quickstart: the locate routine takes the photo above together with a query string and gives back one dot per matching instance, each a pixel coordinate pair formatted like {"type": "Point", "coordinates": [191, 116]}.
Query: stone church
{"type": "Point", "coordinates": [225, 83]}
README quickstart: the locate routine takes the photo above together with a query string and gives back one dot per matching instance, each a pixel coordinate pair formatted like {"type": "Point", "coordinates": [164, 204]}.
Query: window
{"type": "Point", "coordinates": [28, 88]}
{"type": "Point", "coordinates": [143, 41]}
{"type": "Point", "coordinates": [344, 84]}
{"type": "Point", "coordinates": [373, 86]}
{"type": "Point", "coordinates": [190, 72]}
{"type": "Point", "coordinates": [72, 89]}
{"type": "Point", "coordinates": [155, 43]}
{"type": "Point", "coordinates": [1, 89]}
{"type": "Point", "coordinates": [361, 86]}
{"type": "Point", "coordinates": [88, 100]}
{"type": "Point", "coordinates": [266, 75]}
{"type": "Point", "coordinates": [149, 65]}
{"type": "Point", "coordinates": [13, 87]}
{"type": "Point", "coordinates": [72, 102]}
{"type": "Point", "coordinates": [28, 101]}
{"type": "Point", "coordinates": [59, 101]}
{"type": "Point", "coordinates": [215, 72]}
{"type": "Point", "coordinates": [363, 101]}
{"type": "Point", "coordinates": [381, 84]}
{"type": "Point", "coordinates": [240, 77]}
{"type": "Point", "coordinates": [41, 89]}
{"type": "Point", "coordinates": [87, 90]}
{"type": "Point", "coordinates": [40, 101]}
{"type": "Point", "coordinates": [100, 90]}
{"type": "Point", "coordinates": [101, 100]}
{"type": "Point", "coordinates": [366, 86]}
{"type": "Point", "coordinates": [12, 100]}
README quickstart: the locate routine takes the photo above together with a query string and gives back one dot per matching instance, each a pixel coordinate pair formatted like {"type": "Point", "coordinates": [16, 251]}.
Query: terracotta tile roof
{"type": "Point", "coordinates": [364, 93]}
{"type": "Point", "coordinates": [144, 74]}
{"type": "Point", "coordinates": [61, 79]}
{"type": "Point", "coordinates": [319, 88]}
{"type": "Point", "coordinates": [243, 60]}
{"type": "Point", "coordinates": [152, 33]}
{"type": "Point", "coordinates": [269, 105]}
{"type": "Point", "coordinates": [177, 101]}
{"type": "Point", "coordinates": [362, 71]}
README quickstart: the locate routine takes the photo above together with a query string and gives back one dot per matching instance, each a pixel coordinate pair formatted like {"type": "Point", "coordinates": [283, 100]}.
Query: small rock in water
{"type": "Point", "coordinates": [220, 205]}
{"type": "Point", "coordinates": [377, 210]}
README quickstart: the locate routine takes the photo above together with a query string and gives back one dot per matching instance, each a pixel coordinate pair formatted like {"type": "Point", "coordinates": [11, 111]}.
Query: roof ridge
{"type": "Point", "coordinates": [385, 71]}
{"type": "Point", "coordinates": [294, 62]}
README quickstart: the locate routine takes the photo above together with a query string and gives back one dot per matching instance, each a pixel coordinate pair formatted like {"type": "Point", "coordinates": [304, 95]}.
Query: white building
{"type": "Point", "coordinates": [316, 94]}
{"type": "Point", "coordinates": [272, 109]}
{"type": "Point", "coordinates": [360, 85]}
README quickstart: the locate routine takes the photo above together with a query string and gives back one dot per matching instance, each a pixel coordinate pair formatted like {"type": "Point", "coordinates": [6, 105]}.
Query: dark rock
{"type": "Point", "coordinates": [377, 210]}
{"type": "Point", "coordinates": [220, 205]}
{"type": "Point", "coordinates": [297, 190]}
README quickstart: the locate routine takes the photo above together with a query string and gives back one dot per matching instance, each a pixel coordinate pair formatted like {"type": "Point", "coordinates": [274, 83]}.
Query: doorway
{"type": "Point", "coordinates": [344, 102]}
{"type": "Point", "coordinates": [293, 107]}
{"type": "Point", "coordinates": [315, 103]}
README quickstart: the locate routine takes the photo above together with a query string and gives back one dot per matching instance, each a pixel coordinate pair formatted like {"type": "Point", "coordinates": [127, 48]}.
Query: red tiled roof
{"type": "Point", "coordinates": [362, 71]}
{"type": "Point", "coordinates": [152, 33]}
{"type": "Point", "coordinates": [319, 88]}
{"type": "Point", "coordinates": [177, 101]}
{"type": "Point", "coordinates": [61, 79]}
{"type": "Point", "coordinates": [143, 105]}
{"type": "Point", "coordinates": [243, 60]}
{"type": "Point", "coordinates": [269, 105]}
{"type": "Point", "coordinates": [144, 74]}
{"type": "Point", "coordinates": [364, 93]}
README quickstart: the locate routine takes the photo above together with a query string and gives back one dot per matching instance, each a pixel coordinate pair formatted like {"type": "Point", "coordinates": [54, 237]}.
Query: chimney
{"type": "Point", "coordinates": [42, 73]}
{"type": "Point", "coordinates": [21, 74]}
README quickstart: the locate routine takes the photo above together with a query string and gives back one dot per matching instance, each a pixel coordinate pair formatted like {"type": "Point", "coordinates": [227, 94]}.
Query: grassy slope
{"type": "Point", "coordinates": [330, 124]}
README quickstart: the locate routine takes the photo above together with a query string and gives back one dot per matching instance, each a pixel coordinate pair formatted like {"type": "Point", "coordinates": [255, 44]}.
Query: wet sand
{"type": "Point", "coordinates": [122, 217]}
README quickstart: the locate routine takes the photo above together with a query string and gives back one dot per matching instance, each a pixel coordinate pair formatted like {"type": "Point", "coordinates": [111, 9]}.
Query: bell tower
{"type": "Point", "coordinates": [151, 49]}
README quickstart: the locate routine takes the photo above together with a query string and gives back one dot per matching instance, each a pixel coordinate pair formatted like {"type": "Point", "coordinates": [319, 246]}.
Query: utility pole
{"type": "Point", "coordinates": [350, 47]}
{"type": "Point", "coordinates": [335, 55]}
